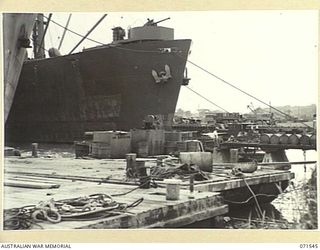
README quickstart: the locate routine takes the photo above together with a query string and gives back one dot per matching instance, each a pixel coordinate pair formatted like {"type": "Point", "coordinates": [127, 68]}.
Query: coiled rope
{"type": "Point", "coordinates": [92, 207]}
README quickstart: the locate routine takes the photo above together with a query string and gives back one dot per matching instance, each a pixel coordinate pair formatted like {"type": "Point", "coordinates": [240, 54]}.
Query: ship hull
{"type": "Point", "coordinates": [108, 87]}
{"type": "Point", "coordinates": [15, 27]}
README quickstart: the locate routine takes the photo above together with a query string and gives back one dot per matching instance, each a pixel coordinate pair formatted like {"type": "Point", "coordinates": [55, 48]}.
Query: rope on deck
{"type": "Point", "coordinates": [92, 207]}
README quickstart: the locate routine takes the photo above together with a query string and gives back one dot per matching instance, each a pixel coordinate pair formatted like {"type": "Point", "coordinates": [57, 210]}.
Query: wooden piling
{"type": "Point", "coordinates": [34, 149]}
{"type": "Point", "coordinates": [313, 140]}
{"type": "Point", "coordinates": [277, 157]}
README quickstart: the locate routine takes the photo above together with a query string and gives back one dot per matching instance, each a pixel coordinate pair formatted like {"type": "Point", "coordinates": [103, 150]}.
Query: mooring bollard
{"type": "Point", "coordinates": [144, 179]}
{"type": "Point", "coordinates": [173, 189]}
{"type": "Point", "coordinates": [34, 149]}
{"type": "Point", "coordinates": [131, 165]}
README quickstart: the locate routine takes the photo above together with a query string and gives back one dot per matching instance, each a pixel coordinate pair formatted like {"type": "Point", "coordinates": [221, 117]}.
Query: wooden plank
{"type": "Point", "coordinates": [72, 177]}
{"type": "Point", "coordinates": [24, 184]}
{"type": "Point", "coordinates": [202, 209]}
{"type": "Point", "coordinates": [233, 184]}
{"type": "Point", "coordinates": [151, 210]}
{"type": "Point", "coordinates": [191, 218]}
{"type": "Point", "coordinates": [286, 163]}
{"type": "Point", "coordinates": [30, 179]}
{"type": "Point", "coordinates": [76, 178]}
{"type": "Point", "coordinates": [232, 165]}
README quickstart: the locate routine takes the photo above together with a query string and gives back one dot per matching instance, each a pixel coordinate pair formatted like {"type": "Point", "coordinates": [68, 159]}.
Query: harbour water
{"type": "Point", "coordinates": [295, 208]}
{"type": "Point", "coordinates": [293, 205]}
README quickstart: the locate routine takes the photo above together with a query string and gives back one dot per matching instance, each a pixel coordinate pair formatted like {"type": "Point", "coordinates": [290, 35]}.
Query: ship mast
{"type": "Point", "coordinates": [41, 46]}
{"type": "Point", "coordinates": [38, 36]}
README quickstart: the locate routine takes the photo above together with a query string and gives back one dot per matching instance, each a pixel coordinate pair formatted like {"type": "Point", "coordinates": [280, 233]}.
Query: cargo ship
{"type": "Point", "coordinates": [108, 87]}
{"type": "Point", "coordinates": [17, 29]}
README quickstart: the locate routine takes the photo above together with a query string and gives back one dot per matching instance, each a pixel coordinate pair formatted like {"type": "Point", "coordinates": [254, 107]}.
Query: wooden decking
{"type": "Point", "coordinates": [65, 178]}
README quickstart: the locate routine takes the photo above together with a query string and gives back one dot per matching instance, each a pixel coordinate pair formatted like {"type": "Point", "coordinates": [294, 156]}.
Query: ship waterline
{"type": "Point", "coordinates": [108, 87]}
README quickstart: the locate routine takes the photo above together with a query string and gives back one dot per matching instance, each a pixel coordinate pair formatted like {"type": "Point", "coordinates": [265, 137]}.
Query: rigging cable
{"type": "Point", "coordinates": [88, 33]}
{"type": "Point", "coordinates": [92, 40]}
{"type": "Point", "coordinates": [111, 45]}
{"type": "Point", "coordinates": [244, 92]}
{"type": "Point", "coordinates": [206, 99]}
{"type": "Point", "coordinates": [64, 31]}
{"type": "Point", "coordinates": [198, 66]}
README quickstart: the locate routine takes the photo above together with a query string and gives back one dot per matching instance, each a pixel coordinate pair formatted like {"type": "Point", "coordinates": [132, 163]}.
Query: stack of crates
{"type": "Point", "coordinates": [175, 141]}
{"type": "Point", "coordinates": [171, 139]}
{"type": "Point", "coordinates": [110, 144]}
{"type": "Point", "coordinates": [147, 142]}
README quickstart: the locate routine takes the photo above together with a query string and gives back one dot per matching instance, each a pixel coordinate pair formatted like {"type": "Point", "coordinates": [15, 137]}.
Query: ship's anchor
{"type": "Point", "coordinates": [163, 76]}
{"type": "Point", "coordinates": [23, 40]}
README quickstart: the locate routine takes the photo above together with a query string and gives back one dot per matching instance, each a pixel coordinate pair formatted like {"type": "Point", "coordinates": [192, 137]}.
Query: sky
{"type": "Point", "coordinates": [272, 55]}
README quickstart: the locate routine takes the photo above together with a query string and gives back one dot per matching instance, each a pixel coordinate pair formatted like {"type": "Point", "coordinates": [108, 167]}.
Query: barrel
{"type": "Point", "coordinates": [265, 138]}
{"type": "Point", "coordinates": [305, 140]}
{"type": "Point", "coordinates": [81, 149]}
{"type": "Point", "coordinates": [202, 159]}
{"type": "Point", "coordinates": [173, 189]}
{"type": "Point", "coordinates": [274, 139]}
{"type": "Point", "coordinates": [313, 140]}
{"type": "Point", "coordinates": [294, 139]}
{"type": "Point", "coordinates": [284, 139]}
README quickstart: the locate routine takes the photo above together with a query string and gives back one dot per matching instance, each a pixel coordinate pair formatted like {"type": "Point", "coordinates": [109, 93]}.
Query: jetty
{"type": "Point", "coordinates": [134, 162]}
{"type": "Point", "coordinates": [30, 181]}
{"type": "Point", "coordinates": [265, 146]}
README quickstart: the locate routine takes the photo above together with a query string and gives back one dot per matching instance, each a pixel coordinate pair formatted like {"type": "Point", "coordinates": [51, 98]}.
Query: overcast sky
{"type": "Point", "coordinates": [273, 55]}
